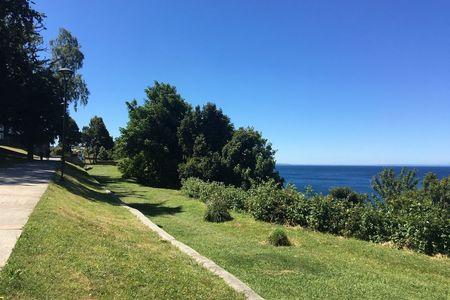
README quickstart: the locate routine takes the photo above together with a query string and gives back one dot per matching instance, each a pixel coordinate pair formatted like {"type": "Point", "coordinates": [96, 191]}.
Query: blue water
{"type": "Point", "coordinates": [322, 178]}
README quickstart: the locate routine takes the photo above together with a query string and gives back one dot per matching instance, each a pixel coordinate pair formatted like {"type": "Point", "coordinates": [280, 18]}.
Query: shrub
{"type": "Point", "coordinates": [419, 224]}
{"type": "Point", "coordinates": [345, 193]}
{"type": "Point", "coordinates": [416, 219]}
{"type": "Point", "coordinates": [268, 202]}
{"type": "Point", "coordinates": [103, 154]}
{"type": "Point", "coordinates": [217, 210]}
{"type": "Point", "coordinates": [235, 198]}
{"type": "Point", "coordinates": [387, 185]}
{"type": "Point", "coordinates": [278, 237]}
{"type": "Point", "coordinates": [192, 187]}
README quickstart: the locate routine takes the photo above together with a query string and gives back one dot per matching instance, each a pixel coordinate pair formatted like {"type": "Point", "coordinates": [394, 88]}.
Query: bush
{"type": "Point", "coordinates": [419, 223]}
{"type": "Point", "coordinates": [235, 198]}
{"type": "Point", "coordinates": [268, 202]}
{"type": "Point", "coordinates": [415, 219]}
{"type": "Point", "coordinates": [278, 238]}
{"type": "Point", "coordinates": [217, 210]}
{"type": "Point", "coordinates": [103, 154]}
{"type": "Point", "coordinates": [345, 193]}
{"type": "Point", "coordinates": [192, 187]}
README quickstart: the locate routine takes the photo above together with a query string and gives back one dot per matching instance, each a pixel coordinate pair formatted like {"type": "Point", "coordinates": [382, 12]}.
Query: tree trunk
{"type": "Point", "coordinates": [30, 149]}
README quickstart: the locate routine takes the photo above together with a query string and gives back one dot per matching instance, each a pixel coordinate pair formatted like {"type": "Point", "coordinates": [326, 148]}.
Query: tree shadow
{"type": "Point", "coordinates": [155, 209]}
{"type": "Point", "coordinates": [86, 193]}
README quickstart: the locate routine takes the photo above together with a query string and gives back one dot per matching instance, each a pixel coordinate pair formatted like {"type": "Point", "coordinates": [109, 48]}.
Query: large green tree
{"type": "Point", "coordinates": [249, 158]}
{"type": "Point", "coordinates": [149, 143]}
{"type": "Point", "coordinates": [96, 136]}
{"type": "Point", "coordinates": [73, 133]}
{"type": "Point", "coordinates": [28, 92]}
{"type": "Point", "coordinates": [202, 135]}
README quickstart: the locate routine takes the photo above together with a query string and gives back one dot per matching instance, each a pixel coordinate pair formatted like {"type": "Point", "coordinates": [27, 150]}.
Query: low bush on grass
{"type": "Point", "coordinates": [217, 210]}
{"type": "Point", "coordinates": [400, 212]}
{"type": "Point", "coordinates": [235, 198]}
{"type": "Point", "coordinates": [278, 237]}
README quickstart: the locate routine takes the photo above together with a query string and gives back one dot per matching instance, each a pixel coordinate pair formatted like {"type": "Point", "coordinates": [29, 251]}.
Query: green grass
{"type": "Point", "coordinates": [11, 155]}
{"type": "Point", "coordinates": [79, 243]}
{"type": "Point", "coordinates": [316, 266]}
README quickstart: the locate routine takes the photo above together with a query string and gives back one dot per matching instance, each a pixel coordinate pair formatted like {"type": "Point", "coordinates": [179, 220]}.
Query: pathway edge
{"type": "Point", "coordinates": [208, 264]}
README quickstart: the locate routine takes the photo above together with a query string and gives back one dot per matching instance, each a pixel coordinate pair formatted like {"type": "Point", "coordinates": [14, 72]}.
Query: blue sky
{"type": "Point", "coordinates": [327, 82]}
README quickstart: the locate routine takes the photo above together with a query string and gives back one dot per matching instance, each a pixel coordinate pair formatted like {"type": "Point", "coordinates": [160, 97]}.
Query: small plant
{"type": "Point", "coordinates": [278, 237]}
{"type": "Point", "coordinates": [217, 210]}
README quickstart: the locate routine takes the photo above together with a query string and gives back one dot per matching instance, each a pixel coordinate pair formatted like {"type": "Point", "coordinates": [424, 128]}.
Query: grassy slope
{"type": "Point", "coordinates": [10, 155]}
{"type": "Point", "coordinates": [80, 244]}
{"type": "Point", "coordinates": [318, 266]}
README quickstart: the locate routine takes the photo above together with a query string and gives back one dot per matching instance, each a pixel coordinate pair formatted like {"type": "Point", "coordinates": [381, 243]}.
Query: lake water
{"type": "Point", "coordinates": [322, 178]}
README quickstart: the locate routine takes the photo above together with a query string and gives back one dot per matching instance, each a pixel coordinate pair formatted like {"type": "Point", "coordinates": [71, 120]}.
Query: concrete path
{"type": "Point", "coordinates": [21, 187]}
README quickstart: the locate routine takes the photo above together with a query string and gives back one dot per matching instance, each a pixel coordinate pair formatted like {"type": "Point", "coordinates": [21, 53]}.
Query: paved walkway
{"type": "Point", "coordinates": [21, 187]}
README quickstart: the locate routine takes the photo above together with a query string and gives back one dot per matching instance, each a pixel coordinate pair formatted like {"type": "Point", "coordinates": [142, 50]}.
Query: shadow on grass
{"type": "Point", "coordinates": [155, 209]}
{"type": "Point", "coordinates": [77, 182]}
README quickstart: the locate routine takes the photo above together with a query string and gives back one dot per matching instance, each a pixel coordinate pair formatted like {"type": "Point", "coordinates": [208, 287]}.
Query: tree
{"type": "Point", "coordinates": [249, 158]}
{"type": "Point", "coordinates": [202, 135]}
{"type": "Point", "coordinates": [388, 186]}
{"type": "Point", "coordinates": [29, 98]}
{"type": "Point", "coordinates": [148, 144]}
{"type": "Point", "coordinates": [73, 134]}
{"type": "Point", "coordinates": [19, 47]}
{"type": "Point", "coordinates": [96, 136]}
{"type": "Point", "coordinates": [209, 122]}
{"type": "Point", "coordinates": [66, 53]}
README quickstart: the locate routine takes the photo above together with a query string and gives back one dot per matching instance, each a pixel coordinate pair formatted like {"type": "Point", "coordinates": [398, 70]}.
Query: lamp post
{"type": "Point", "coordinates": [66, 73]}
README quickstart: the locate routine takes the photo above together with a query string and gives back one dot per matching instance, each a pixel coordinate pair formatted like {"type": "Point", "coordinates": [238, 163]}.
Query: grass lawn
{"type": "Point", "coordinates": [79, 243]}
{"type": "Point", "coordinates": [317, 266]}
{"type": "Point", "coordinates": [10, 155]}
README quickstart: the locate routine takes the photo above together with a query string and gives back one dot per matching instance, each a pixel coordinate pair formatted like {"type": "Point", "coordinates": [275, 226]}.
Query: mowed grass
{"type": "Point", "coordinates": [316, 266]}
{"type": "Point", "coordinates": [79, 243]}
{"type": "Point", "coordinates": [11, 155]}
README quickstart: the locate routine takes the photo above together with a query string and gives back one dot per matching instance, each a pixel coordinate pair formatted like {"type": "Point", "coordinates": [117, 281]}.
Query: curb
{"type": "Point", "coordinates": [208, 264]}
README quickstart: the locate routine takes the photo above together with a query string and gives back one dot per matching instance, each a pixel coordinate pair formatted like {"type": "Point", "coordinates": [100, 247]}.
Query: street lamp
{"type": "Point", "coordinates": [65, 73]}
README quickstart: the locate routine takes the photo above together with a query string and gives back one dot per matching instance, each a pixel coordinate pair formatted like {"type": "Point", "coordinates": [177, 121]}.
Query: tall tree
{"type": "Point", "coordinates": [249, 158]}
{"type": "Point", "coordinates": [73, 134]}
{"type": "Point", "coordinates": [95, 136]}
{"type": "Point", "coordinates": [28, 93]}
{"type": "Point", "coordinates": [209, 122]}
{"type": "Point", "coordinates": [202, 135]}
{"type": "Point", "coordinates": [149, 143]}
{"type": "Point", "coordinates": [66, 53]}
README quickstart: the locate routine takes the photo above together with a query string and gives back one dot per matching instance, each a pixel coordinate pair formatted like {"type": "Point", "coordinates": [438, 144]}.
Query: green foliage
{"type": "Point", "coordinates": [66, 53]}
{"type": "Point", "coordinates": [278, 237]}
{"type": "Point", "coordinates": [217, 209]}
{"type": "Point", "coordinates": [347, 194]}
{"type": "Point", "coordinates": [235, 198]}
{"type": "Point", "coordinates": [165, 142]}
{"type": "Point", "coordinates": [438, 191]}
{"type": "Point", "coordinates": [387, 185]}
{"type": "Point", "coordinates": [249, 158]}
{"type": "Point", "coordinates": [95, 136]}
{"type": "Point", "coordinates": [73, 134]}
{"type": "Point", "coordinates": [208, 167]}
{"type": "Point", "coordinates": [103, 154]}
{"type": "Point", "coordinates": [149, 141]}
{"type": "Point", "coordinates": [211, 124]}
{"type": "Point", "coordinates": [415, 219]}
{"type": "Point", "coordinates": [268, 202]}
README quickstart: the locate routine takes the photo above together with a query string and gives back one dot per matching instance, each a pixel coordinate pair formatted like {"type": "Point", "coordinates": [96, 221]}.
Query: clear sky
{"type": "Point", "coordinates": [327, 82]}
